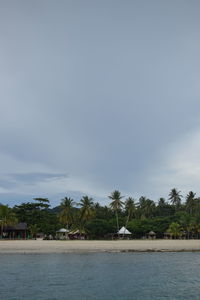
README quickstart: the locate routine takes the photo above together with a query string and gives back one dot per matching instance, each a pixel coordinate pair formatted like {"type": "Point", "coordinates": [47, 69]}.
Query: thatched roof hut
{"type": "Point", "coordinates": [151, 235]}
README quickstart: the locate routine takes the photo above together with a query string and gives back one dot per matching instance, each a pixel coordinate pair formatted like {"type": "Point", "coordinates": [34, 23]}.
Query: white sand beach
{"type": "Point", "coordinates": [40, 246]}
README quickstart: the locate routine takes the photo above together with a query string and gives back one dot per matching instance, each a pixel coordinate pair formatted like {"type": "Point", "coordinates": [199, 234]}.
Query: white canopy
{"type": "Point", "coordinates": [123, 230]}
{"type": "Point", "coordinates": [63, 230]}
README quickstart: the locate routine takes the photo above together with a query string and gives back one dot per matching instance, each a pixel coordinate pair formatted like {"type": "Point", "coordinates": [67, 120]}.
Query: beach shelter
{"type": "Point", "coordinates": [62, 234]}
{"type": "Point", "coordinates": [78, 234]}
{"type": "Point", "coordinates": [123, 232]}
{"type": "Point", "coordinates": [151, 235]}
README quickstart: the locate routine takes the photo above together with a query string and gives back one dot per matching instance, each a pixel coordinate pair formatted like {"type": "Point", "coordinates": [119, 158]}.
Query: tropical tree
{"type": "Point", "coordinates": [185, 221]}
{"type": "Point", "coordinates": [33, 230]}
{"type": "Point", "coordinates": [175, 198]}
{"type": "Point", "coordinates": [174, 229]}
{"type": "Point", "coordinates": [190, 203]}
{"type": "Point", "coordinates": [86, 210]}
{"type": "Point", "coordinates": [66, 214]}
{"type": "Point", "coordinates": [7, 217]}
{"type": "Point", "coordinates": [130, 209]}
{"type": "Point", "coordinates": [146, 207]}
{"type": "Point", "coordinates": [116, 204]}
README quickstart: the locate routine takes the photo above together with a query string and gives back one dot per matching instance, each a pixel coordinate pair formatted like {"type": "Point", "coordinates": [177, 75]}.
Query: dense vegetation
{"type": "Point", "coordinates": [177, 217]}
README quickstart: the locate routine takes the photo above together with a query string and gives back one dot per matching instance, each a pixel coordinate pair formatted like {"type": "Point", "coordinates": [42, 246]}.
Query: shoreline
{"type": "Point", "coordinates": [97, 246]}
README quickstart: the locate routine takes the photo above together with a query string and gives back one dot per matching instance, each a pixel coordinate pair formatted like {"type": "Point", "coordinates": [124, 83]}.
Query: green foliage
{"type": "Point", "coordinates": [99, 221]}
{"type": "Point", "coordinates": [175, 229]}
{"type": "Point", "coordinates": [7, 217]}
{"type": "Point", "coordinates": [99, 228]}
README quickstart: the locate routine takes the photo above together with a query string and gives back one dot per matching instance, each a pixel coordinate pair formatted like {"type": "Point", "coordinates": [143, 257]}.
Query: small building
{"type": "Point", "coordinates": [124, 233]}
{"type": "Point", "coordinates": [18, 231]}
{"type": "Point", "coordinates": [151, 235]}
{"type": "Point", "coordinates": [62, 234]}
{"type": "Point", "coordinates": [77, 234]}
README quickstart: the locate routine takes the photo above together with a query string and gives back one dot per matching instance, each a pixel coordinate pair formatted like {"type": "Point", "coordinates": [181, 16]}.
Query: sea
{"type": "Point", "coordinates": [100, 276]}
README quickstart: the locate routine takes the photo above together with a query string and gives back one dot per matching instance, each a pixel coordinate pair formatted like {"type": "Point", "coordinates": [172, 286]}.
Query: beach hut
{"type": "Point", "coordinates": [124, 233]}
{"type": "Point", "coordinates": [62, 234]}
{"type": "Point", "coordinates": [151, 235]}
{"type": "Point", "coordinates": [18, 231]}
{"type": "Point", "coordinates": [77, 234]}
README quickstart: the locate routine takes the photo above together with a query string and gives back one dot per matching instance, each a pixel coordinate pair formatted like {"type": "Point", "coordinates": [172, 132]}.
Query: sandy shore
{"type": "Point", "coordinates": [40, 246]}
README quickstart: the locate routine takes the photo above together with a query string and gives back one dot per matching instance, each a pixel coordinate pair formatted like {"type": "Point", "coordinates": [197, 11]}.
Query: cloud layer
{"type": "Point", "coordinates": [98, 96]}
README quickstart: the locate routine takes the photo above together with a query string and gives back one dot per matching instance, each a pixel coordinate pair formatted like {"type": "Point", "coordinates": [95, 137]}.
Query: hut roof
{"type": "Point", "coordinates": [152, 233]}
{"type": "Point", "coordinates": [77, 231]}
{"type": "Point", "coordinates": [123, 230]}
{"type": "Point", "coordinates": [63, 230]}
{"type": "Point", "coordinates": [19, 226]}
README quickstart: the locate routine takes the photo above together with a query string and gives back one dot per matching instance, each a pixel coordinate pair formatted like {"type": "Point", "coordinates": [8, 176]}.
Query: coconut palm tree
{"type": "Point", "coordinates": [174, 229]}
{"type": "Point", "coordinates": [7, 217]}
{"type": "Point", "coordinates": [86, 210]}
{"type": "Point", "coordinates": [130, 209]}
{"type": "Point", "coordinates": [191, 203]}
{"type": "Point", "coordinates": [175, 198]}
{"type": "Point", "coordinates": [146, 207]}
{"type": "Point", "coordinates": [116, 204]}
{"type": "Point", "coordinates": [66, 214]}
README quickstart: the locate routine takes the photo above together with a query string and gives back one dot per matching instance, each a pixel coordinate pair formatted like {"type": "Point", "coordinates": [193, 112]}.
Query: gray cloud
{"type": "Point", "coordinates": [95, 90]}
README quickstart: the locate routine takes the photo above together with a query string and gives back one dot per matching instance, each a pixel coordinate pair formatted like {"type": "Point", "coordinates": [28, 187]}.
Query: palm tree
{"type": "Point", "coordinates": [130, 208]}
{"type": "Point", "coordinates": [33, 230]}
{"type": "Point", "coordinates": [174, 229]}
{"type": "Point", "coordinates": [175, 197]}
{"type": "Point", "coordinates": [66, 214]}
{"type": "Point", "coordinates": [7, 217]}
{"type": "Point", "coordinates": [190, 203]}
{"type": "Point", "coordinates": [185, 222]}
{"type": "Point", "coordinates": [86, 211]}
{"type": "Point", "coordinates": [116, 204]}
{"type": "Point", "coordinates": [147, 207]}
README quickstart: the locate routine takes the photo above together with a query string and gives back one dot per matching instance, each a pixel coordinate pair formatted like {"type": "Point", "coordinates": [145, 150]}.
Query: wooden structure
{"type": "Point", "coordinates": [62, 234]}
{"type": "Point", "coordinates": [152, 235]}
{"type": "Point", "coordinates": [123, 233]}
{"type": "Point", "coordinates": [18, 231]}
{"type": "Point", "coordinates": [77, 234]}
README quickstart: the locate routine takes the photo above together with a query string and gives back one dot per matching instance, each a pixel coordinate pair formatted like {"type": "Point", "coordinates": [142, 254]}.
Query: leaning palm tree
{"type": "Point", "coordinates": [86, 210]}
{"type": "Point", "coordinates": [116, 204]}
{"type": "Point", "coordinates": [175, 197]}
{"type": "Point", "coordinates": [7, 217]}
{"type": "Point", "coordinates": [66, 214]}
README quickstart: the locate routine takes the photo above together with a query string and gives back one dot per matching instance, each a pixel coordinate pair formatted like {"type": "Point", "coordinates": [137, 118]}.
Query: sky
{"type": "Point", "coordinates": [97, 96]}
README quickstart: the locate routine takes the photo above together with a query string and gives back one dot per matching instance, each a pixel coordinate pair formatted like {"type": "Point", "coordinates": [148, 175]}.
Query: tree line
{"type": "Point", "coordinates": [176, 216]}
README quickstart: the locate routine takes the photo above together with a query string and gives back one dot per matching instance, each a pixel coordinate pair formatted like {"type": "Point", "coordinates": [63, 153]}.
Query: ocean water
{"type": "Point", "coordinates": [104, 276]}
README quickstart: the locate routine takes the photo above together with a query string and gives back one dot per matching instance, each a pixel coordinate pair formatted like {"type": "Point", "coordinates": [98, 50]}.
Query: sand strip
{"type": "Point", "coordinates": [40, 246]}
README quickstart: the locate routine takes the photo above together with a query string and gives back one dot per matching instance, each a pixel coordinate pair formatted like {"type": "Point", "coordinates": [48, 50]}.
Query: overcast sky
{"type": "Point", "coordinates": [97, 96]}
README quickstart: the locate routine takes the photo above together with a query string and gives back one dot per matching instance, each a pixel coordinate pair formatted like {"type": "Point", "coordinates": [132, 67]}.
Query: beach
{"type": "Point", "coordinates": [43, 246]}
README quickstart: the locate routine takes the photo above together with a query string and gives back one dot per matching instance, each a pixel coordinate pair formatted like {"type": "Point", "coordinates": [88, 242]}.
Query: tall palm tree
{"type": "Point", "coordinates": [86, 211]}
{"type": "Point", "coordinates": [191, 203]}
{"type": "Point", "coordinates": [66, 214]}
{"type": "Point", "coordinates": [147, 207]}
{"type": "Point", "coordinates": [7, 217]}
{"type": "Point", "coordinates": [175, 198]}
{"type": "Point", "coordinates": [130, 209]}
{"type": "Point", "coordinates": [116, 204]}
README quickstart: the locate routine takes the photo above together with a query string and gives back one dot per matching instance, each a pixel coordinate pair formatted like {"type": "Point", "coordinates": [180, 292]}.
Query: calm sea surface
{"type": "Point", "coordinates": [100, 276]}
